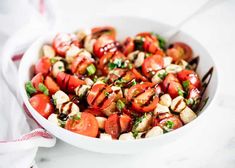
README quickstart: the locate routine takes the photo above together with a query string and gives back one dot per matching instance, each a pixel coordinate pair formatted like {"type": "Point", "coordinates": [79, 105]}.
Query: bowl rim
{"type": "Point", "coordinates": [35, 114]}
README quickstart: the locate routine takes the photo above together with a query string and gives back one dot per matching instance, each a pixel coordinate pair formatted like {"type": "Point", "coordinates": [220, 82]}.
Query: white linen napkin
{"type": "Point", "coordinates": [20, 136]}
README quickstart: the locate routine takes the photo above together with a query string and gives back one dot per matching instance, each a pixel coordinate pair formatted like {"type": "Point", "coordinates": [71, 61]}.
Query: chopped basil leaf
{"type": "Point", "coordinates": [43, 89]}
{"type": "Point", "coordinates": [138, 120]}
{"type": "Point", "coordinates": [133, 83]}
{"type": "Point", "coordinates": [169, 124]}
{"type": "Point", "coordinates": [120, 105]}
{"type": "Point", "coordinates": [181, 92]}
{"type": "Point", "coordinates": [29, 88]}
{"type": "Point", "coordinates": [162, 42]}
{"type": "Point", "coordinates": [60, 67]}
{"type": "Point", "coordinates": [106, 94]}
{"type": "Point", "coordinates": [189, 101]}
{"type": "Point", "coordinates": [76, 116]}
{"type": "Point", "coordinates": [53, 60]}
{"type": "Point", "coordinates": [135, 134]}
{"type": "Point", "coordinates": [162, 75]}
{"type": "Point", "coordinates": [91, 69]}
{"type": "Point", "coordinates": [111, 65]}
{"type": "Point", "coordinates": [62, 123]}
{"type": "Point", "coordinates": [186, 84]}
{"type": "Point", "coordinates": [117, 63]}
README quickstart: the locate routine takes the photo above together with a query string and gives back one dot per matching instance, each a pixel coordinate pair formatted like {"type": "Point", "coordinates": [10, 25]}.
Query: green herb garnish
{"type": "Point", "coordinates": [29, 88]}
{"type": "Point", "coordinates": [43, 89]}
{"type": "Point", "coordinates": [133, 83]}
{"type": "Point", "coordinates": [162, 75]}
{"type": "Point", "coordinates": [162, 42]}
{"type": "Point", "coordinates": [189, 101]}
{"type": "Point", "coordinates": [181, 92]}
{"type": "Point", "coordinates": [53, 60]}
{"type": "Point", "coordinates": [91, 69]}
{"type": "Point", "coordinates": [117, 63]}
{"type": "Point", "coordinates": [76, 116]}
{"type": "Point", "coordinates": [120, 105]}
{"type": "Point", "coordinates": [135, 133]}
{"type": "Point", "coordinates": [106, 94]}
{"type": "Point", "coordinates": [169, 124]}
{"type": "Point", "coordinates": [186, 84]}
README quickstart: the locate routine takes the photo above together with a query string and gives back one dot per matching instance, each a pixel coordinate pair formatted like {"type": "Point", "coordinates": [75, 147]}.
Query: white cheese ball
{"type": "Point", "coordinates": [101, 121]}
{"type": "Point", "coordinates": [126, 136]}
{"type": "Point", "coordinates": [187, 115]}
{"type": "Point", "coordinates": [105, 136]}
{"type": "Point", "coordinates": [165, 100]}
{"type": "Point", "coordinates": [60, 97]}
{"type": "Point", "coordinates": [155, 131]}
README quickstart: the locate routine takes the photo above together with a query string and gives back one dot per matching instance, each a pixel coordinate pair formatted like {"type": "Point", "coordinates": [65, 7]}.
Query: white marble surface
{"type": "Point", "coordinates": [211, 144]}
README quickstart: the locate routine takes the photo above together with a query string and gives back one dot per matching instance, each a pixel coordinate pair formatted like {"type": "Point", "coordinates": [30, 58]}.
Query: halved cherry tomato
{"type": "Point", "coordinates": [93, 93]}
{"type": "Point", "coordinates": [68, 82]}
{"type": "Point", "coordinates": [125, 123]}
{"type": "Point", "coordinates": [39, 78]}
{"type": "Point", "coordinates": [41, 103]}
{"type": "Point", "coordinates": [86, 125]}
{"type": "Point", "coordinates": [176, 122]}
{"type": "Point", "coordinates": [99, 31]}
{"type": "Point", "coordinates": [138, 75]}
{"type": "Point", "coordinates": [152, 64]}
{"type": "Point", "coordinates": [138, 89]}
{"type": "Point", "coordinates": [110, 57]}
{"type": "Point", "coordinates": [128, 46]}
{"type": "Point", "coordinates": [112, 126]}
{"type": "Point", "coordinates": [179, 50]}
{"type": "Point", "coordinates": [43, 66]}
{"type": "Point", "coordinates": [194, 98]}
{"type": "Point", "coordinates": [147, 34]}
{"type": "Point", "coordinates": [95, 111]}
{"type": "Point", "coordinates": [143, 103]}
{"type": "Point", "coordinates": [172, 85]}
{"type": "Point", "coordinates": [104, 44]}
{"type": "Point", "coordinates": [190, 76]}
{"type": "Point", "coordinates": [51, 85]}
{"type": "Point", "coordinates": [63, 41]}
{"type": "Point", "coordinates": [80, 64]}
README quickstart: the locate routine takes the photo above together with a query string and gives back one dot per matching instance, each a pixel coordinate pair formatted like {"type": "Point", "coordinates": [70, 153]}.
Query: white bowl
{"type": "Point", "coordinates": [126, 26]}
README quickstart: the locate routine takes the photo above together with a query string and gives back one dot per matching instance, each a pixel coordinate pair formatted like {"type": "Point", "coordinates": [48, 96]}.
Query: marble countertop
{"type": "Point", "coordinates": [211, 144]}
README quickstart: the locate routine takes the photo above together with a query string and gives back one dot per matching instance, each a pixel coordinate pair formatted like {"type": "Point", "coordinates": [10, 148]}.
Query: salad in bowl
{"type": "Point", "coordinates": [95, 85]}
{"type": "Point", "coordinates": [119, 88]}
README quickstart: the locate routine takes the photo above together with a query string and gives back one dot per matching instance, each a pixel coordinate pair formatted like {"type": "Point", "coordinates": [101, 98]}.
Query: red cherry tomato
{"type": "Point", "coordinates": [87, 125]}
{"type": "Point", "coordinates": [112, 126]}
{"type": "Point", "coordinates": [143, 103]}
{"type": "Point", "coordinates": [138, 89]}
{"type": "Point", "coordinates": [41, 103]}
{"type": "Point", "coordinates": [68, 82]}
{"type": "Point", "coordinates": [172, 85]}
{"type": "Point", "coordinates": [102, 42]}
{"type": "Point", "coordinates": [39, 78]}
{"type": "Point", "coordinates": [95, 111]}
{"type": "Point", "coordinates": [51, 85]}
{"type": "Point", "coordinates": [43, 66]}
{"type": "Point", "coordinates": [93, 93]}
{"type": "Point", "coordinates": [99, 31]}
{"type": "Point", "coordinates": [176, 122]}
{"type": "Point", "coordinates": [152, 64]}
{"type": "Point", "coordinates": [125, 123]}
{"type": "Point", "coordinates": [179, 50]}
{"type": "Point", "coordinates": [63, 41]}
{"type": "Point", "coordinates": [191, 76]}
{"type": "Point", "coordinates": [80, 64]}
{"type": "Point", "coordinates": [128, 46]}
